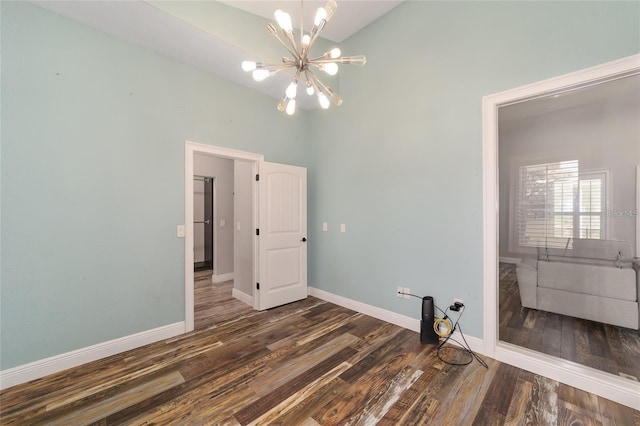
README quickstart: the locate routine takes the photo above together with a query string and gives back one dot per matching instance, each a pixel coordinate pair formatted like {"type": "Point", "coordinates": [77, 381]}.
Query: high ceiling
{"type": "Point", "coordinates": [351, 17]}
{"type": "Point", "coordinates": [615, 90]}
{"type": "Point", "coordinates": [145, 24]}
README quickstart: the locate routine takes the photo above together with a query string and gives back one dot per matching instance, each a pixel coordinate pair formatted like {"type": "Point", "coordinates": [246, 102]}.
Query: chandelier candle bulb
{"type": "Point", "coordinates": [291, 107]}
{"type": "Point", "coordinates": [324, 101]}
{"type": "Point", "coordinates": [248, 66]}
{"type": "Point", "coordinates": [330, 9]}
{"type": "Point", "coordinates": [284, 20]}
{"type": "Point", "coordinates": [260, 74]}
{"type": "Point", "coordinates": [331, 68]}
{"type": "Point", "coordinates": [355, 60]}
{"type": "Point", "coordinates": [321, 15]}
{"type": "Point", "coordinates": [292, 90]}
{"type": "Point", "coordinates": [334, 53]}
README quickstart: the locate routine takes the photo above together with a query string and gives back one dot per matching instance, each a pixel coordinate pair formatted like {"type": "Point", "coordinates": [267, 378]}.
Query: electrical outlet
{"type": "Point", "coordinates": [399, 292]}
{"type": "Point", "coordinates": [407, 291]}
{"type": "Point", "coordinates": [457, 305]}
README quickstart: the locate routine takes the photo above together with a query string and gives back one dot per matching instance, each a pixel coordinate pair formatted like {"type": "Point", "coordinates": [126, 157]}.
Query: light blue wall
{"type": "Point", "coordinates": [93, 132]}
{"type": "Point", "coordinates": [92, 160]}
{"type": "Point", "coordinates": [400, 162]}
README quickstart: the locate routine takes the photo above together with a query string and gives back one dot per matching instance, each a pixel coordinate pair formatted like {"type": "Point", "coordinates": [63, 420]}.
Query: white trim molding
{"type": "Point", "coordinates": [514, 260]}
{"type": "Point", "coordinates": [44, 367]}
{"type": "Point", "coordinates": [191, 148]}
{"type": "Point", "coordinates": [623, 391]}
{"type": "Point", "coordinates": [242, 296]}
{"type": "Point", "coordinates": [400, 320]}
{"type": "Point", "coordinates": [222, 277]}
{"type": "Point", "coordinates": [637, 212]}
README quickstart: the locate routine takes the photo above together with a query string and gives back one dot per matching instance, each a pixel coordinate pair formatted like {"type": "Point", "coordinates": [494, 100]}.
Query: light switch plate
{"type": "Point", "coordinates": [325, 226]}
{"type": "Point", "coordinates": [343, 227]}
{"type": "Point", "coordinates": [181, 231]}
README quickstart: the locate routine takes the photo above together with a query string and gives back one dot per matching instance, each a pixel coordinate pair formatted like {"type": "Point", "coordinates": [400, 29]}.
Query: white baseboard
{"type": "Point", "coordinates": [44, 367]}
{"type": "Point", "coordinates": [222, 277]}
{"type": "Point", "coordinates": [413, 324]}
{"type": "Point", "coordinates": [609, 386]}
{"type": "Point", "coordinates": [243, 297]}
{"type": "Point", "coordinates": [514, 260]}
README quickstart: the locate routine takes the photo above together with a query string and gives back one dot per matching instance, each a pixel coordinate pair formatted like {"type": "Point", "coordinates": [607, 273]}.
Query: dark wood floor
{"type": "Point", "coordinates": [306, 363]}
{"type": "Point", "coordinates": [605, 347]}
{"type": "Point", "coordinates": [214, 303]}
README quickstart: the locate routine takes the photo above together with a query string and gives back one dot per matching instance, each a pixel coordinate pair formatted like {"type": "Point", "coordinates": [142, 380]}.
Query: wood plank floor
{"type": "Point", "coordinates": [612, 349]}
{"type": "Point", "coordinates": [214, 303]}
{"type": "Point", "coordinates": [306, 363]}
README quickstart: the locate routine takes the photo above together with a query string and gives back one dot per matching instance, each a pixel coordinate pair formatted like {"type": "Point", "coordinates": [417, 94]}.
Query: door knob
{"type": "Point", "coordinates": [304, 240]}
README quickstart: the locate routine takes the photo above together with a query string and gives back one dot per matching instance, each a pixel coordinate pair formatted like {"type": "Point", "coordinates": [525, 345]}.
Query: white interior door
{"type": "Point", "coordinates": [282, 222]}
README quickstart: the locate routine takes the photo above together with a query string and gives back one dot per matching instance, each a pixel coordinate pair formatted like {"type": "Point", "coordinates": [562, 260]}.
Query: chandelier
{"type": "Point", "coordinates": [300, 63]}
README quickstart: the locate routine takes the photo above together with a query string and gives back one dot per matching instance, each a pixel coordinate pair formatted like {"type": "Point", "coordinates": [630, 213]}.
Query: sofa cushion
{"type": "Point", "coordinates": [605, 281]}
{"type": "Point", "coordinates": [591, 251]}
{"type": "Point", "coordinates": [602, 249]}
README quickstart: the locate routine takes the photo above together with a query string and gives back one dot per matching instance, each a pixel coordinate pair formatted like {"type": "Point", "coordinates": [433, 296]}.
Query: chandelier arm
{"type": "Point", "coordinates": [276, 67]}
{"type": "Point", "coordinates": [296, 77]}
{"type": "Point", "coordinates": [318, 58]}
{"type": "Point", "coordinates": [291, 38]}
{"type": "Point", "coordinates": [308, 74]}
{"type": "Point", "coordinates": [320, 85]}
{"type": "Point", "coordinates": [328, 91]}
{"type": "Point", "coordinates": [347, 60]}
{"type": "Point", "coordinates": [293, 52]}
{"type": "Point", "coordinates": [315, 32]}
{"type": "Point", "coordinates": [322, 60]}
{"type": "Point", "coordinates": [302, 53]}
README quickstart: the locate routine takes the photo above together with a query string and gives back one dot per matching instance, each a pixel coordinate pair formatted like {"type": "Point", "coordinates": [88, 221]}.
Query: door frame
{"type": "Point", "coordinates": [190, 149]}
{"type": "Point", "coordinates": [595, 381]}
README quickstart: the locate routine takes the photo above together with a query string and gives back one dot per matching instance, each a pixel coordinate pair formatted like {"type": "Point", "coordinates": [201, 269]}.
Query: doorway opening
{"type": "Point", "coordinates": [195, 152]}
{"type": "Point", "coordinates": [203, 222]}
{"type": "Point", "coordinates": [267, 254]}
{"type": "Point", "coordinates": [607, 385]}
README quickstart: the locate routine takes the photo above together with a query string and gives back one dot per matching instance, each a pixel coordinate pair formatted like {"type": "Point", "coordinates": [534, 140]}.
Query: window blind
{"type": "Point", "coordinates": [555, 203]}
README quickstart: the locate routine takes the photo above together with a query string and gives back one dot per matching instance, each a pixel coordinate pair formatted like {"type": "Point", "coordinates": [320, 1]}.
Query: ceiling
{"type": "Point", "coordinates": [626, 89]}
{"type": "Point", "coordinates": [350, 17]}
{"type": "Point", "coordinates": [146, 25]}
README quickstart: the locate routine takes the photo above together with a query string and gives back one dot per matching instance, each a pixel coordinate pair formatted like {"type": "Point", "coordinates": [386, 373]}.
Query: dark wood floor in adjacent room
{"type": "Point", "coordinates": [605, 347]}
{"type": "Point", "coordinates": [214, 303]}
{"type": "Point", "coordinates": [306, 363]}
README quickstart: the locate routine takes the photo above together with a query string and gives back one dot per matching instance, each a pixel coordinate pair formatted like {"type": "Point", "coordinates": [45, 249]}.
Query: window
{"type": "Point", "coordinates": [556, 202]}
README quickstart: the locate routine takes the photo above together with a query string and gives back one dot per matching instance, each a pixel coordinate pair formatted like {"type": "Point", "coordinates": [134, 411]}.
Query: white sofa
{"type": "Point", "coordinates": [596, 280]}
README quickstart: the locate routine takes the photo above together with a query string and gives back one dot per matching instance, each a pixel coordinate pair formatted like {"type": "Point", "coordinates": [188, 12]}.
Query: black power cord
{"type": "Point", "coordinates": [465, 348]}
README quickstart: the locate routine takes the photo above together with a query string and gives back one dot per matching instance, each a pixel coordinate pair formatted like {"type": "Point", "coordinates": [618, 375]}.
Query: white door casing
{"type": "Point", "coordinates": [191, 148]}
{"type": "Point", "coordinates": [607, 385]}
{"type": "Point", "coordinates": [282, 219]}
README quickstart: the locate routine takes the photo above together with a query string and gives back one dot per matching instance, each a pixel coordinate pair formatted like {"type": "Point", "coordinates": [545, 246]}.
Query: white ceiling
{"type": "Point", "coordinates": [350, 17]}
{"type": "Point", "coordinates": [143, 24]}
{"type": "Point", "coordinates": [615, 90]}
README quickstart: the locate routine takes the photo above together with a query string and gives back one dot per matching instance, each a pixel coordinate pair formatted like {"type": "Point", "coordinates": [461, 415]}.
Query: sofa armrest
{"type": "Point", "coordinates": [527, 276]}
{"type": "Point", "coordinates": [528, 264]}
{"type": "Point", "coordinates": [636, 266]}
